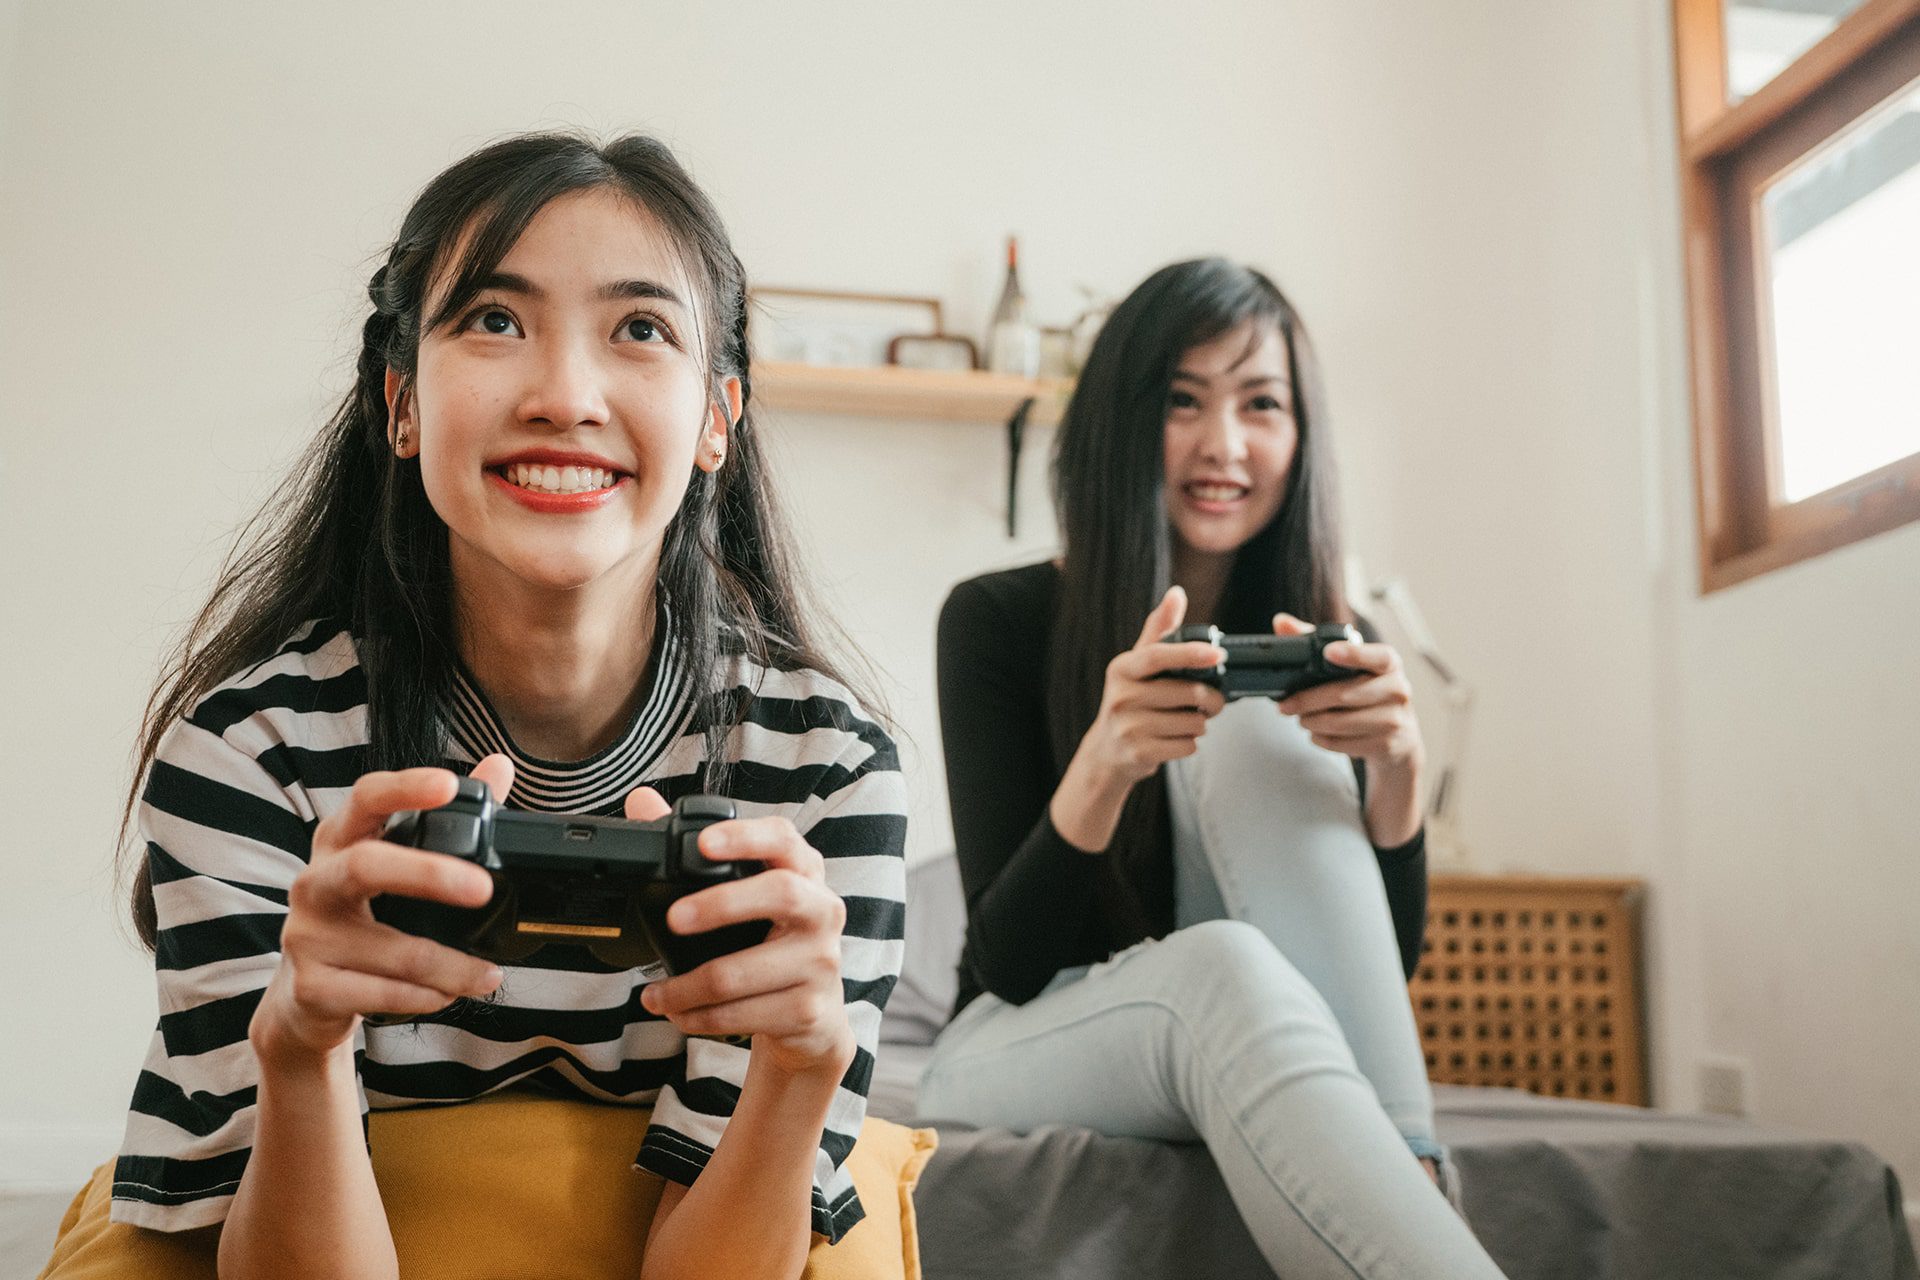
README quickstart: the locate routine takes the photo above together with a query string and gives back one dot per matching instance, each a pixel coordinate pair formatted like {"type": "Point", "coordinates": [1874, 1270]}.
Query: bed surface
{"type": "Point", "coordinates": [1556, 1189]}
{"type": "Point", "coordinates": [1553, 1189]}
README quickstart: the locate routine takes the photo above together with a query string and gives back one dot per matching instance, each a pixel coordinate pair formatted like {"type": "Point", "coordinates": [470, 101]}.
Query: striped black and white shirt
{"type": "Point", "coordinates": [228, 814]}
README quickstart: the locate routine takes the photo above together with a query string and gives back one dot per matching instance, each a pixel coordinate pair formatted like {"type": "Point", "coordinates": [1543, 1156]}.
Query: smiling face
{"type": "Point", "coordinates": [1230, 439]}
{"type": "Point", "coordinates": [559, 414]}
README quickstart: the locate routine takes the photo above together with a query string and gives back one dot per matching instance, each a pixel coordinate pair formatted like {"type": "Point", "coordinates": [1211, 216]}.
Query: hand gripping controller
{"type": "Point", "coordinates": [601, 883]}
{"type": "Point", "coordinates": [1268, 666]}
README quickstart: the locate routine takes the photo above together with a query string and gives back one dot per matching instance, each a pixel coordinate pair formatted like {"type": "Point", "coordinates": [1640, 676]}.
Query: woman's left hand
{"type": "Point", "coordinates": [1369, 716]}
{"type": "Point", "coordinates": [785, 992]}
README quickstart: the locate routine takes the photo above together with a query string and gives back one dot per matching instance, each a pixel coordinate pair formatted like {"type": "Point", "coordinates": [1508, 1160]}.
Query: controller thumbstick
{"type": "Point", "coordinates": [705, 810]}
{"type": "Point", "coordinates": [691, 816]}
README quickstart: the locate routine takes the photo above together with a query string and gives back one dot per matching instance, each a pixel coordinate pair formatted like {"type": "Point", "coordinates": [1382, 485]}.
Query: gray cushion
{"type": "Point", "coordinates": [936, 925]}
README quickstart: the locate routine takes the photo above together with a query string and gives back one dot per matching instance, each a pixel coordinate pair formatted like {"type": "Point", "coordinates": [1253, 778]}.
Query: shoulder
{"type": "Point", "coordinates": [804, 715]}
{"type": "Point", "coordinates": [300, 713]}
{"type": "Point", "coordinates": [238, 780]}
{"type": "Point", "coordinates": [802, 743]}
{"type": "Point", "coordinates": [998, 621]}
{"type": "Point", "coordinates": [314, 671]}
{"type": "Point", "coordinates": [1022, 597]}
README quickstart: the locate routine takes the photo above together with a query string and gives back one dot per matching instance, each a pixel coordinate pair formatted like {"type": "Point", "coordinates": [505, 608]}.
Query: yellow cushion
{"type": "Point", "coordinates": [512, 1186]}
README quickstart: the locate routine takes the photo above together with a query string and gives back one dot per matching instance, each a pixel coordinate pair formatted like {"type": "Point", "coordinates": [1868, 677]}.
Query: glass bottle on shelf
{"type": "Point", "coordinates": [1086, 327]}
{"type": "Point", "coordinates": [1013, 339]}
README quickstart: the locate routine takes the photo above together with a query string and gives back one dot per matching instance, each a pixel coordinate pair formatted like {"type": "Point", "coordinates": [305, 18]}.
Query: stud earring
{"type": "Point", "coordinates": [717, 455]}
{"type": "Point", "coordinates": [401, 439]}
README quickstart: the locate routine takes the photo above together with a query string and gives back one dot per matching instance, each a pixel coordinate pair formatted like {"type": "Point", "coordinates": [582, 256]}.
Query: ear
{"type": "Point", "coordinates": [720, 422]}
{"type": "Point", "coordinates": [400, 417]}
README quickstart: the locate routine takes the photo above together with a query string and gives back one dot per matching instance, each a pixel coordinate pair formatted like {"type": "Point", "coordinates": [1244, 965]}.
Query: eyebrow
{"type": "Point", "coordinates": [507, 282]}
{"type": "Point", "coordinates": [1182, 375]}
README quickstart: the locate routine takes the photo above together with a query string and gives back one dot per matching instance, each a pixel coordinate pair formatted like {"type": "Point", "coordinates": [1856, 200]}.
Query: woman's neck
{"type": "Point", "coordinates": [1204, 574]}
{"type": "Point", "coordinates": [565, 672]}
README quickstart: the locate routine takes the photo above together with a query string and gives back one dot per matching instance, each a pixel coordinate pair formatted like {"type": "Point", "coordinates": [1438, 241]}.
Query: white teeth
{"type": "Point", "coordinates": [544, 479]}
{"type": "Point", "coordinates": [1217, 492]}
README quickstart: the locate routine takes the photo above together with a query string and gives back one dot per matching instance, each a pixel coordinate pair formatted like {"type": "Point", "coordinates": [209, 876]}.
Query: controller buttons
{"type": "Point", "coordinates": [471, 790]}
{"type": "Point", "coordinates": [454, 833]}
{"type": "Point", "coordinates": [695, 864]}
{"type": "Point", "coordinates": [709, 808]}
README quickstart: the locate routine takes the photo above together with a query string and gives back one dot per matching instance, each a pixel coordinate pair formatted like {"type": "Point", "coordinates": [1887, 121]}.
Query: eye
{"type": "Point", "coordinates": [491, 320]}
{"type": "Point", "coordinates": [1265, 404]}
{"type": "Point", "coordinates": [1181, 400]}
{"type": "Point", "coordinates": [644, 328]}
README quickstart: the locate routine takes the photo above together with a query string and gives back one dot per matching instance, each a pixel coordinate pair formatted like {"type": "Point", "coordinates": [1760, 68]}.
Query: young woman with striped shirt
{"type": "Point", "coordinates": [535, 543]}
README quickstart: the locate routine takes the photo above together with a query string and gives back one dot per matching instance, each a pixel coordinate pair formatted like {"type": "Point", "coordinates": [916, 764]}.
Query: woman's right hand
{"type": "Point", "coordinates": [337, 962]}
{"type": "Point", "coordinates": [1143, 722]}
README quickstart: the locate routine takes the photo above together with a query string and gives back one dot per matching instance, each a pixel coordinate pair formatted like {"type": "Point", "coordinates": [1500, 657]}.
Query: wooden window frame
{"type": "Point", "coordinates": [1729, 152]}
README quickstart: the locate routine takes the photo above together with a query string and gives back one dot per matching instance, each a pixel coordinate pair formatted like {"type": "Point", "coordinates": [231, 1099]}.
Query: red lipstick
{"type": "Point", "coordinates": [555, 503]}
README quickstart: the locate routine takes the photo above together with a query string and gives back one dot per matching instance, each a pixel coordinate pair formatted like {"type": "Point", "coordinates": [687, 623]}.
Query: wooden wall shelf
{"type": "Point", "coordinates": [892, 392]}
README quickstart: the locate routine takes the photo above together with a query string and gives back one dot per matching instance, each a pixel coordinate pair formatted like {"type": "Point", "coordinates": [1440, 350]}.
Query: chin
{"type": "Point", "coordinates": [562, 572]}
{"type": "Point", "coordinates": [1215, 541]}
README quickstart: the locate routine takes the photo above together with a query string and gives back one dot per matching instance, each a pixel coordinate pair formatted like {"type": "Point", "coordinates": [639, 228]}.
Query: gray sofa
{"type": "Point", "coordinates": [1567, 1190]}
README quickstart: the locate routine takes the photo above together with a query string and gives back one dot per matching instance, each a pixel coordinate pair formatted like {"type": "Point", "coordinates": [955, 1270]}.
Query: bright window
{"type": "Point", "coordinates": [1800, 146]}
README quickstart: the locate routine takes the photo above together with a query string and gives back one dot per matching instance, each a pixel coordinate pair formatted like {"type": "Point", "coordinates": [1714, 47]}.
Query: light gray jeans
{"type": "Point", "coordinates": [1272, 1025]}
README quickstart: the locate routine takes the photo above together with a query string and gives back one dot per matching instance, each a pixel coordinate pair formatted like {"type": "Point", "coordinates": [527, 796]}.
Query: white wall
{"type": "Point", "coordinates": [196, 196]}
{"type": "Point", "coordinates": [1751, 753]}
{"type": "Point", "coordinates": [1789, 708]}
{"type": "Point", "coordinates": [1472, 203]}
{"type": "Point", "coordinates": [11, 13]}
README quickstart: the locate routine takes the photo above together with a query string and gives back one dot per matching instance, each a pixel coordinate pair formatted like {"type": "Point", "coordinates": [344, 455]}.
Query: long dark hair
{"type": "Point", "coordinates": [1108, 484]}
{"type": "Point", "coordinates": [350, 536]}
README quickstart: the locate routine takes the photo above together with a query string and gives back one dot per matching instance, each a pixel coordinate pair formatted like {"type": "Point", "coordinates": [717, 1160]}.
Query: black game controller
{"type": "Point", "coordinates": [1268, 666]}
{"type": "Point", "coordinates": [601, 883]}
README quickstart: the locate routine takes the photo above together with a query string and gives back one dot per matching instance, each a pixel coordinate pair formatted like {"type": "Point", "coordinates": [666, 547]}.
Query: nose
{"type": "Point", "coordinates": [1223, 440]}
{"type": "Point", "coordinates": [564, 387]}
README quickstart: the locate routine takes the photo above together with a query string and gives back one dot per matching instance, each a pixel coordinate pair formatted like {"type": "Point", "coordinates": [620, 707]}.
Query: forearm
{"type": "Point", "coordinates": [750, 1214]}
{"type": "Point", "coordinates": [1405, 879]}
{"type": "Point", "coordinates": [1393, 799]}
{"type": "Point", "coordinates": [1029, 921]}
{"type": "Point", "coordinates": [1087, 804]}
{"type": "Point", "coordinates": [308, 1205]}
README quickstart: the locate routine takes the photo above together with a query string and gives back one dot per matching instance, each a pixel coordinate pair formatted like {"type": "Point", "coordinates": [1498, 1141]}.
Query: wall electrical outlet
{"type": "Point", "coordinates": [1723, 1086]}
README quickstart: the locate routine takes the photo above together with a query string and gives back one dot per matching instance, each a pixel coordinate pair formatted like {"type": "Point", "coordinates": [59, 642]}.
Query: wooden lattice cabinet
{"type": "Point", "coordinates": [1534, 982]}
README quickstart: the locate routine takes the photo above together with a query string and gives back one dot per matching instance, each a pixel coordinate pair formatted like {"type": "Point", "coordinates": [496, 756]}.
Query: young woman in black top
{"type": "Point", "coordinates": [1188, 920]}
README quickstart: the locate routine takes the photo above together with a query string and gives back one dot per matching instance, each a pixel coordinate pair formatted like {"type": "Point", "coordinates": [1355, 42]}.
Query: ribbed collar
{"type": "Point", "coordinates": [601, 781]}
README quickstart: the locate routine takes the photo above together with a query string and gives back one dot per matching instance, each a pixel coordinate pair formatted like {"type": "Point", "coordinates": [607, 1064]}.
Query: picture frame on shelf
{"type": "Point", "coordinates": [945, 351]}
{"type": "Point", "coordinates": [835, 328]}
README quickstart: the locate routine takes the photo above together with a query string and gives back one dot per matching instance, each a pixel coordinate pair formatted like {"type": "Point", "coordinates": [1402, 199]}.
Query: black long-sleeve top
{"type": "Point", "coordinates": [1034, 902]}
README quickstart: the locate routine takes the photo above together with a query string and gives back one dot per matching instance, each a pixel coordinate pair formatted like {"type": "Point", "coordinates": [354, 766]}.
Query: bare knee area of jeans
{"type": "Point", "coordinates": [1236, 959]}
